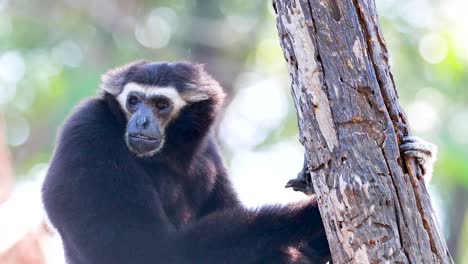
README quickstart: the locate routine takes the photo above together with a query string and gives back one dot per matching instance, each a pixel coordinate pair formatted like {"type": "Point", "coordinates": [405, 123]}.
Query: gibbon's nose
{"type": "Point", "coordinates": [148, 126]}
{"type": "Point", "coordinates": [144, 125]}
{"type": "Point", "coordinates": [143, 122]}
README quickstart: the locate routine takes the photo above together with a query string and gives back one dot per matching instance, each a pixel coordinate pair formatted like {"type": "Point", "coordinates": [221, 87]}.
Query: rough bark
{"type": "Point", "coordinates": [374, 208]}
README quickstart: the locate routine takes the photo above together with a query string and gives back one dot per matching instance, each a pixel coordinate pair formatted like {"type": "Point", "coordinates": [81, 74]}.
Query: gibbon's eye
{"type": "Point", "coordinates": [133, 100]}
{"type": "Point", "coordinates": [162, 104]}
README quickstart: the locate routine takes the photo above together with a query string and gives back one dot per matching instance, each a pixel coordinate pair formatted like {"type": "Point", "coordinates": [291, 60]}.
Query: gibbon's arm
{"type": "Point", "coordinates": [125, 230]}
{"type": "Point", "coordinates": [252, 236]}
{"type": "Point", "coordinates": [106, 215]}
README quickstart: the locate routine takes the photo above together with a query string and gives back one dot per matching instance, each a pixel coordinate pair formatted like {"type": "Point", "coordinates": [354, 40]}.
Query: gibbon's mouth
{"type": "Point", "coordinates": [145, 138]}
{"type": "Point", "coordinates": [143, 145]}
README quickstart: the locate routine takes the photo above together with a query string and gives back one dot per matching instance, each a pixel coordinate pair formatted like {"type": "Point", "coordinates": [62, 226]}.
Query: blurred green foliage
{"type": "Point", "coordinates": [52, 54]}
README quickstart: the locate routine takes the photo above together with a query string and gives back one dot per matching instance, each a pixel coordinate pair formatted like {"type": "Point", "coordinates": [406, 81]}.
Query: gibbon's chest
{"type": "Point", "coordinates": [175, 196]}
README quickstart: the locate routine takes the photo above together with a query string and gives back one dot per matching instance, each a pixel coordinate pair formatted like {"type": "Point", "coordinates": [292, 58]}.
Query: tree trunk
{"type": "Point", "coordinates": [374, 209]}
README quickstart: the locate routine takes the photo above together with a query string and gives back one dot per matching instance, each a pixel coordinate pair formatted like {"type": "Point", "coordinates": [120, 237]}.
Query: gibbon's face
{"type": "Point", "coordinates": [152, 94]}
{"type": "Point", "coordinates": [149, 109]}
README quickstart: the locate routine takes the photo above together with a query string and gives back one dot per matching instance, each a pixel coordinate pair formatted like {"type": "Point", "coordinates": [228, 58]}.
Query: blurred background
{"type": "Point", "coordinates": [52, 54]}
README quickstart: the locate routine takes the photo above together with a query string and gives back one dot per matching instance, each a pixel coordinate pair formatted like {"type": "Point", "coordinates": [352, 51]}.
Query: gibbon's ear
{"type": "Point", "coordinates": [114, 80]}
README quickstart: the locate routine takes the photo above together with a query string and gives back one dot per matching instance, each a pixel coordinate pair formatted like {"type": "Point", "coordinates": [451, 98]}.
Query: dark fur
{"type": "Point", "coordinates": [178, 206]}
